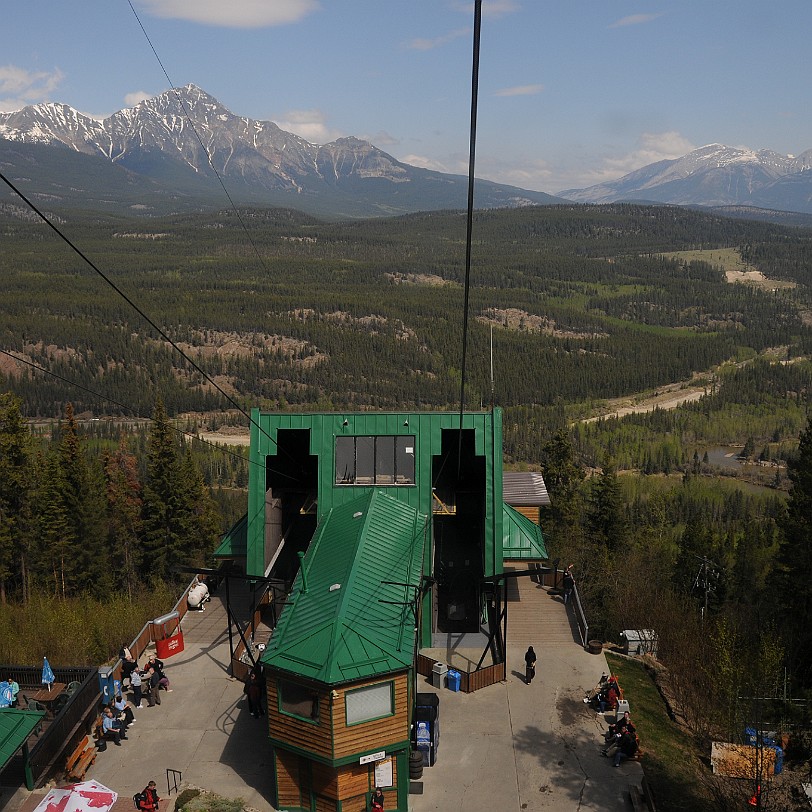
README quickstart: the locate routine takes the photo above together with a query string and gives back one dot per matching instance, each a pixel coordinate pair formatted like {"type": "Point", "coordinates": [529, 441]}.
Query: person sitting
{"type": "Point", "coordinates": [112, 728]}
{"type": "Point", "coordinates": [609, 695]}
{"type": "Point", "coordinates": [626, 747]}
{"type": "Point", "coordinates": [616, 731]}
{"type": "Point", "coordinates": [122, 711]}
{"type": "Point", "coordinates": [592, 696]}
{"type": "Point", "coordinates": [148, 799]}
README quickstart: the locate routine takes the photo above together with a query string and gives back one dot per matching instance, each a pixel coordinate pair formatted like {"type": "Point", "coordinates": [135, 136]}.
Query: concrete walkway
{"type": "Point", "coordinates": [509, 746]}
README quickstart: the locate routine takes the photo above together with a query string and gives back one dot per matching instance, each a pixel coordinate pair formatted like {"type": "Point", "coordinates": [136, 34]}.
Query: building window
{"type": "Point", "coordinates": [371, 702]}
{"type": "Point", "coordinates": [366, 460]}
{"type": "Point", "coordinates": [299, 701]}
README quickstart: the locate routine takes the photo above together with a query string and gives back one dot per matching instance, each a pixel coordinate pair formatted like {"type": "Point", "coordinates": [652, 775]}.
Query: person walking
{"type": "Point", "coordinates": [529, 665]}
{"type": "Point", "coordinates": [568, 583]}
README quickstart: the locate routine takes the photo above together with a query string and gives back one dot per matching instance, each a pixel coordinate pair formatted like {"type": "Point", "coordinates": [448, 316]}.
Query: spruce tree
{"type": "Point", "coordinates": [794, 561]}
{"type": "Point", "coordinates": [15, 485]}
{"type": "Point", "coordinates": [162, 539]}
{"type": "Point", "coordinates": [124, 505]}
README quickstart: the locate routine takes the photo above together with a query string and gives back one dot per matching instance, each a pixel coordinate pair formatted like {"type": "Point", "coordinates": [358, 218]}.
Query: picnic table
{"type": "Point", "coordinates": [46, 697]}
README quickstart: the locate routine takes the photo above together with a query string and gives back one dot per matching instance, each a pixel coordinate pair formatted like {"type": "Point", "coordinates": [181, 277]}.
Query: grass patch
{"type": "Point", "coordinates": [670, 761]}
{"type": "Point", "coordinates": [201, 801]}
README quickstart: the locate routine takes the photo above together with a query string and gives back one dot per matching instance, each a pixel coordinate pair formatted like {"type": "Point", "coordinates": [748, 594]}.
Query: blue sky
{"type": "Point", "coordinates": [570, 94]}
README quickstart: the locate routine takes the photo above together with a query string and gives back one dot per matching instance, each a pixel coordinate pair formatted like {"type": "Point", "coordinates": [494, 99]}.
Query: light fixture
{"type": "Point", "coordinates": [346, 422]}
{"type": "Point", "coordinates": [406, 422]}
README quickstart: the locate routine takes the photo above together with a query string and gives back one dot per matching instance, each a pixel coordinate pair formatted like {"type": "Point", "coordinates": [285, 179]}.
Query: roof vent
{"type": "Point", "coordinates": [334, 587]}
{"type": "Point", "coordinates": [357, 514]}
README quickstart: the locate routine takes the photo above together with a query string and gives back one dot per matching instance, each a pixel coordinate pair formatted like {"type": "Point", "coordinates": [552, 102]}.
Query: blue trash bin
{"type": "Point", "coordinates": [454, 678]}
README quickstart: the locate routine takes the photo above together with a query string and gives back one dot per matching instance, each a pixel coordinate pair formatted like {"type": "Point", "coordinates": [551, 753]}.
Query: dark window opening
{"type": "Point", "coordinates": [369, 460]}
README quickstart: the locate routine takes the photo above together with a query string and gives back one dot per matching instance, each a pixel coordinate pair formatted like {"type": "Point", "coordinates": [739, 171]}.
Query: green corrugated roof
{"type": "Point", "coordinates": [235, 541]}
{"type": "Point", "coordinates": [347, 633]}
{"type": "Point", "coordinates": [15, 727]}
{"type": "Point", "coordinates": [521, 538]}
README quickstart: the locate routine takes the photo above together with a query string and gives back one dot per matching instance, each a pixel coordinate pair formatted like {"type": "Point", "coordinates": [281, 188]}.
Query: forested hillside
{"type": "Point", "coordinates": [284, 311]}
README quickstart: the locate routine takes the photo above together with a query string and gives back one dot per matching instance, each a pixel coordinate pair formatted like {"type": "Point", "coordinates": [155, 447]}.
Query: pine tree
{"type": "Point", "coordinates": [606, 520]}
{"type": "Point", "coordinates": [86, 567]}
{"type": "Point", "coordinates": [163, 539]}
{"type": "Point", "coordinates": [15, 486]}
{"type": "Point", "coordinates": [794, 561]}
{"type": "Point", "coordinates": [124, 504]}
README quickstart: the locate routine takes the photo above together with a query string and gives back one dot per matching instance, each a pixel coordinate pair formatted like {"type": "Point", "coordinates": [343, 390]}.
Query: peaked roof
{"type": "Point", "coordinates": [521, 538]}
{"type": "Point", "coordinates": [235, 542]}
{"type": "Point", "coordinates": [15, 727]}
{"type": "Point", "coordinates": [350, 615]}
{"type": "Point", "coordinates": [524, 489]}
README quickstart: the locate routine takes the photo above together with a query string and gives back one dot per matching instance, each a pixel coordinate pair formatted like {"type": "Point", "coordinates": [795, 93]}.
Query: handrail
{"type": "Point", "coordinates": [580, 617]}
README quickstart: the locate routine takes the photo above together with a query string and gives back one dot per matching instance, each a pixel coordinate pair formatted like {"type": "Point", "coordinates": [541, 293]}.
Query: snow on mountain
{"type": "Point", "coordinates": [713, 175]}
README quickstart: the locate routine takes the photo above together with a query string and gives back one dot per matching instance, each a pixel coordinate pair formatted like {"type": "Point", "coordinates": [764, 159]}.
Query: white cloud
{"type": "Point", "coordinates": [425, 44]}
{"type": "Point", "coordinates": [308, 124]}
{"type": "Point", "coordinates": [652, 147]}
{"type": "Point", "coordinates": [380, 139]}
{"type": "Point", "coordinates": [131, 99]}
{"type": "Point", "coordinates": [520, 90]}
{"type": "Point", "coordinates": [20, 87]}
{"type": "Point", "coordinates": [233, 14]}
{"type": "Point", "coordinates": [424, 162]}
{"type": "Point", "coordinates": [634, 19]}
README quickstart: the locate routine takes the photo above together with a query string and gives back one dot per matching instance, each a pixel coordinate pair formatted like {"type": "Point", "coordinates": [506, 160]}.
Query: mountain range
{"type": "Point", "coordinates": [714, 176]}
{"type": "Point", "coordinates": [178, 150]}
{"type": "Point", "coordinates": [162, 155]}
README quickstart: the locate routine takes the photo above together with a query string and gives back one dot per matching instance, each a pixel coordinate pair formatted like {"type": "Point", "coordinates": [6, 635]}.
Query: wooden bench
{"type": "Point", "coordinates": [80, 760]}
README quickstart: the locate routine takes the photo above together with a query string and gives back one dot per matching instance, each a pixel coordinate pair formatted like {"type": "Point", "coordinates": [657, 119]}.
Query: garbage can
{"type": "Point", "coordinates": [424, 742]}
{"type": "Point", "coordinates": [454, 679]}
{"type": "Point", "coordinates": [438, 674]}
{"type": "Point", "coordinates": [167, 635]}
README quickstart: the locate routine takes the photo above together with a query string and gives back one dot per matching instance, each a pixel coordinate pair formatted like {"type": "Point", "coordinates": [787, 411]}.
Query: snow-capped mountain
{"type": "Point", "coordinates": [176, 138]}
{"type": "Point", "coordinates": [714, 175]}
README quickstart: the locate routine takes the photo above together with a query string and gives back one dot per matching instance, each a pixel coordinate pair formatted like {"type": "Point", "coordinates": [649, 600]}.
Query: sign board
{"type": "Point", "coordinates": [379, 756]}
{"type": "Point", "coordinates": [384, 773]}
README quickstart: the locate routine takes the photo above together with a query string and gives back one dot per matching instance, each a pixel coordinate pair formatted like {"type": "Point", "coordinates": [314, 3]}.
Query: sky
{"type": "Point", "coordinates": [571, 92]}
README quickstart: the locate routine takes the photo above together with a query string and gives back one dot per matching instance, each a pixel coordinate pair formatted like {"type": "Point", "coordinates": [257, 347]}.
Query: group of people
{"type": "Point", "coordinates": [621, 737]}
{"type": "Point", "coordinates": [145, 683]}
{"type": "Point", "coordinates": [604, 695]}
{"type": "Point", "coordinates": [8, 693]}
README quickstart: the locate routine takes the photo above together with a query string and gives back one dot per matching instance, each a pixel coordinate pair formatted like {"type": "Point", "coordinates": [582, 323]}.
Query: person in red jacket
{"type": "Point", "coordinates": [149, 799]}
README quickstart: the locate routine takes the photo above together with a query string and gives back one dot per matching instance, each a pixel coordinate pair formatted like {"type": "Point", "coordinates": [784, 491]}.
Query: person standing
{"type": "Point", "coordinates": [148, 800]}
{"type": "Point", "coordinates": [376, 801]}
{"type": "Point", "coordinates": [135, 683]}
{"type": "Point", "coordinates": [13, 689]}
{"type": "Point", "coordinates": [529, 665]}
{"type": "Point", "coordinates": [568, 583]}
{"type": "Point", "coordinates": [253, 690]}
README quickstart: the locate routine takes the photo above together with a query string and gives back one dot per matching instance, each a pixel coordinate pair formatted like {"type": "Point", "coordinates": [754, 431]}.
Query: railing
{"type": "Point", "coordinates": [580, 617]}
{"type": "Point", "coordinates": [63, 732]}
{"type": "Point", "coordinates": [470, 681]}
{"type": "Point", "coordinates": [147, 635]}
{"type": "Point", "coordinates": [239, 667]}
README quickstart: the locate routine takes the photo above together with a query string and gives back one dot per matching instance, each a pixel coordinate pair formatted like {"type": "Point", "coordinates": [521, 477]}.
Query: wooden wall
{"type": "Point", "coordinates": [288, 777]}
{"type": "Point", "coordinates": [374, 735]}
{"type": "Point", "coordinates": [313, 737]}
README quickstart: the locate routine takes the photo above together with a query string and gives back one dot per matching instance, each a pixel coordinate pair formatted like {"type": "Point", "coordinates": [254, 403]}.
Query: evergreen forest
{"type": "Point", "coordinates": [692, 520]}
